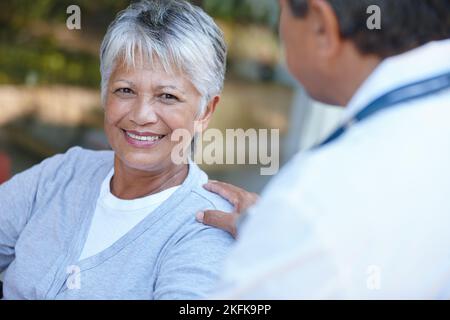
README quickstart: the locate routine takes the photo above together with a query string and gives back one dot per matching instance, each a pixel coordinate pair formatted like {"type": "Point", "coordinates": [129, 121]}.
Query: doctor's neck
{"type": "Point", "coordinates": [345, 76]}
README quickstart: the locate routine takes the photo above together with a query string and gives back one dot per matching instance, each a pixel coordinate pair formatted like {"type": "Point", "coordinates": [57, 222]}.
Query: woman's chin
{"type": "Point", "coordinates": [144, 162]}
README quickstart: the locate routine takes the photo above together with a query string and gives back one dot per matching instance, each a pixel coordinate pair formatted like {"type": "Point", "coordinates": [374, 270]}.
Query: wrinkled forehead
{"type": "Point", "coordinates": [151, 72]}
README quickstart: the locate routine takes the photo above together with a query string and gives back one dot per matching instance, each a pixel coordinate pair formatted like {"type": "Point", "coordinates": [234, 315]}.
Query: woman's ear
{"type": "Point", "coordinates": [205, 117]}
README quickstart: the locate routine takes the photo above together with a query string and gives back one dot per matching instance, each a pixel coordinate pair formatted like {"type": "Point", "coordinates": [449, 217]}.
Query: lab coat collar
{"type": "Point", "coordinates": [429, 60]}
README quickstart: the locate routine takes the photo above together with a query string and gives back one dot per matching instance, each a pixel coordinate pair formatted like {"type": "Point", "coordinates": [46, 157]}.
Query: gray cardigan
{"type": "Point", "coordinates": [45, 214]}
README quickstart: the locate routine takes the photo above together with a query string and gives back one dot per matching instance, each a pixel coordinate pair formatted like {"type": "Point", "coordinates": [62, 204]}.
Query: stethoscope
{"type": "Point", "coordinates": [416, 90]}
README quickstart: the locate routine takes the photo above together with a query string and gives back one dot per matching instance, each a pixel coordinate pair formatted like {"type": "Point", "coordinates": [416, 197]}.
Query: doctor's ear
{"type": "Point", "coordinates": [324, 25]}
{"type": "Point", "coordinates": [204, 118]}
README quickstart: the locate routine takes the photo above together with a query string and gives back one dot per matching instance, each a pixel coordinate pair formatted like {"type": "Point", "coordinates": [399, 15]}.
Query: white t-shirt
{"type": "Point", "coordinates": [114, 217]}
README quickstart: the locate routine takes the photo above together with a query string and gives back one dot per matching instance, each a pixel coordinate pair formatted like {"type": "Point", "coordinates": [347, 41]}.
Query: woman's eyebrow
{"type": "Point", "coordinates": [170, 87]}
{"type": "Point", "coordinates": [127, 81]}
{"type": "Point", "coordinates": [160, 87]}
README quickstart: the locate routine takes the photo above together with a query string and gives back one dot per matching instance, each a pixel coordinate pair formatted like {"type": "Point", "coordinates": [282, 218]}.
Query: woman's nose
{"type": "Point", "coordinates": [144, 111]}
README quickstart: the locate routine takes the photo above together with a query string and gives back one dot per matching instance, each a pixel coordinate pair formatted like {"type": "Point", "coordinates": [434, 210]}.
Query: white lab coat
{"type": "Point", "coordinates": [366, 216]}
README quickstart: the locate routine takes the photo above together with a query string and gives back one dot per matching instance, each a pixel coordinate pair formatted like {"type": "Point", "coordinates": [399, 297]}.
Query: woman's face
{"type": "Point", "coordinates": [143, 107]}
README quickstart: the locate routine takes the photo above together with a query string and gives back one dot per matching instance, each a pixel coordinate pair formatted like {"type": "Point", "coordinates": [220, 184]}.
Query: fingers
{"type": "Point", "coordinates": [221, 185]}
{"type": "Point", "coordinates": [224, 190]}
{"type": "Point", "coordinates": [240, 198]}
{"type": "Point", "coordinates": [219, 219]}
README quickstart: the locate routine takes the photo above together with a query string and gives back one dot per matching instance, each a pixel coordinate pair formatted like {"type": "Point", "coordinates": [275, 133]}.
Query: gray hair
{"type": "Point", "coordinates": [176, 33]}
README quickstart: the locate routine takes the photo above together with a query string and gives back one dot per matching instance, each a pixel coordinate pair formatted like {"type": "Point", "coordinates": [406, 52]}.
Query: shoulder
{"type": "Point", "coordinates": [199, 199]}
{"type": "Point", "coordinates": [209, 199]}
{"type": "Point", "coordinates": [73, 158]}
{"type": "Point", "coordinates": [86, 156]}
{"type": "Point", "coordinates": [212, 200]}
{"type": "Point", "coordinates": [75, 164]}
{"type": "Point", "coordinates": [76, 158]}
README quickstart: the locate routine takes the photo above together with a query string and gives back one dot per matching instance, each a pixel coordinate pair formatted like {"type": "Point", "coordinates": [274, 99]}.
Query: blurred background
{"type": "Point", "coordinates": [49, 83]}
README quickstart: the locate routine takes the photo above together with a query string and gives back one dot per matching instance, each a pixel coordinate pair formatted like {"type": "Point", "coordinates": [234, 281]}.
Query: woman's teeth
{"type": "Point", "coordinates": [143, 138]}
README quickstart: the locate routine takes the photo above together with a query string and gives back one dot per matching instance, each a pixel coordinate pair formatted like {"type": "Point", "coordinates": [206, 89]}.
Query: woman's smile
{"type": "Point", "coordinates": [142, 139]}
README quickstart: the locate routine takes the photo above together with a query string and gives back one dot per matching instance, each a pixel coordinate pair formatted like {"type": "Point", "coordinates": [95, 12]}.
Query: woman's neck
{"type": "Point", "coordinates": [129, 183]}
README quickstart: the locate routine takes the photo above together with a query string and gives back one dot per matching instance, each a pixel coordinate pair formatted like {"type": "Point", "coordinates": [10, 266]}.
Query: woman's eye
{"type": "Point", "coordinates": [125, 91]}
{"type": "Point", "coordinates": [168, 96]}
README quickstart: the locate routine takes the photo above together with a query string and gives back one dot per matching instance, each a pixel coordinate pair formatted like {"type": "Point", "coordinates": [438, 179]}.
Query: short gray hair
{"type": "Point", "coordinates": [174, 32]}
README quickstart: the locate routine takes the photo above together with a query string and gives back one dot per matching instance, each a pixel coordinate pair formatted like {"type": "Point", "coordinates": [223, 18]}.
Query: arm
{"type": "Point", "coordinates": [239, 198]}
{"type": "Point", "coordinates": [17, 197]}
{"type": "Point", "coordinates": [191, 268]}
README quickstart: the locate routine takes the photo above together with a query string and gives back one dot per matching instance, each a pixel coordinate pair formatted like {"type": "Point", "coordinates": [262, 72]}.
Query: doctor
{"type": "Point", "coordinates": [366, 213]}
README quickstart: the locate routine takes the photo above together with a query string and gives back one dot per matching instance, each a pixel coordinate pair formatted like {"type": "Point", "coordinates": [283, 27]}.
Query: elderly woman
{"type": "Point", "coordinates": [121, 224]}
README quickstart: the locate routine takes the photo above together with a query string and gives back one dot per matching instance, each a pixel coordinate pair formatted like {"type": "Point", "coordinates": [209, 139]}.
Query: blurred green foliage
{"type": "Point", "coordinates": [34, 56]}
{"type": "Point", "coordinates": [244, 11]}
{"type": "Point", "coordinates": [40, 63]}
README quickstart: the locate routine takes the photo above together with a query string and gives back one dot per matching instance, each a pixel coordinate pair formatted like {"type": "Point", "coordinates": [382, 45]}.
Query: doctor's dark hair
{"type": "Point", "coordinates": [405, 24]}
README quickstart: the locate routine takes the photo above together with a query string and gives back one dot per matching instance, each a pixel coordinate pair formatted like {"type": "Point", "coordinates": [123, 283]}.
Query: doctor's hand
{"type": "Point", "coordinates": [239, 198]}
